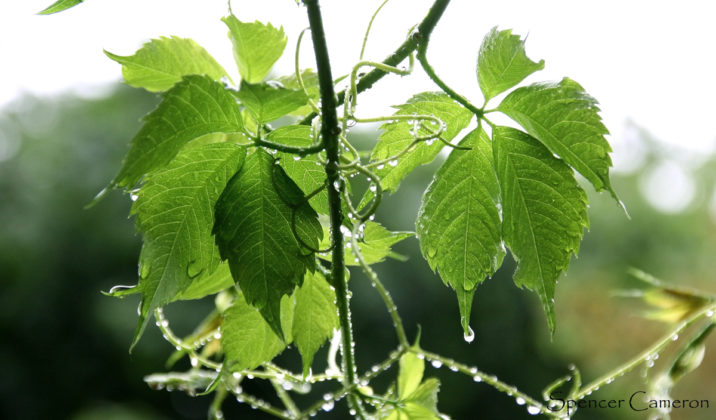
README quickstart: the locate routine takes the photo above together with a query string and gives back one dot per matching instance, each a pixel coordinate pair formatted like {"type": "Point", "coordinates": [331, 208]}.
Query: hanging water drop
{"type": "Point", "coordinates": [674, 337]}
{"type": "Point", "coordinates": [373, 188]}
{"type": "Point", "coordinates": [520, 401]}
{"type": "Point", "coordinates": [437, 364]}
{"type": "Point", "coordinates": [469, 335]}
{"type": "Point", "coordinates": [477, 378]}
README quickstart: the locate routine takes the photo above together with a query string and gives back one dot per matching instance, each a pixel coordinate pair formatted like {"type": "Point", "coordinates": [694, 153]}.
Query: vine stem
{"type": "Point", "coordinates": [660, 344]}
{"type": "Point", "coordinates": [425, 28]}
{"type": "Point", "coordinates": [423, 59]}
{"type": "Point", "coordinates": [330, 132]}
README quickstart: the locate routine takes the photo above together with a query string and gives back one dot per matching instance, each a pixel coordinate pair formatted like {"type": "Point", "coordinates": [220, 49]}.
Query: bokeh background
{"type": "Point", "coordinates": [64, 346]}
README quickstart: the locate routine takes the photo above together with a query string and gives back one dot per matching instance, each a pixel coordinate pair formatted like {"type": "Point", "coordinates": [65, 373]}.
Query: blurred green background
{"type": "Point", "coordinates": [64, 349]}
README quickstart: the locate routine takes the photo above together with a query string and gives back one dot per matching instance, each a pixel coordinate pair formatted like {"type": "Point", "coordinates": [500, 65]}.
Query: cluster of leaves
{"type": "Point", "coordinates": [223, 199]}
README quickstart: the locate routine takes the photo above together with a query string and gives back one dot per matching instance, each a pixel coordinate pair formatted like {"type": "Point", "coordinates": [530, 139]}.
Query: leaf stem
{"type": "Point", "coordinates": [384, 294]}
{"type": "Point", "coordinates": [330, 132]}
{"type": "Point", "coordinates": [423, 59]}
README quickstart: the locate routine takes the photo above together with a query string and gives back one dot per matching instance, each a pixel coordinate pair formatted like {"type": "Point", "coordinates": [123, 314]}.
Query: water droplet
{"type": "Point", "coordinates": [194, 362]}
{"type": "Point", "coordinates": [328, 406]}
{"type": "Point", "coordinates": [710, 313]}
{"type": "Point", "coordinates": [477, 378]}
{"type": "Point", "coordinates": [118, 288]}
{"type": "Point", "coordinates": [373, 188]}
{"type": "Point", "coordinates": [649, 363]}
{"type": "Point", "coordinates": [337, 185]}
{"type": "Point", "coordinates": [437, 364]}
{"type": "Point", "coordinates": [533, 410]}
{"type": "Point", "coordinates": [430, 142]}
{"type": "Point", "coordinates": [134, 197]}
{"type": "Point", "coordinates": [674, 337]}
{"type": "Point", "coordinates": [469, 335]}
{"type": "Point", "coordinates": [381, 166]}
{"type": "Point", "coordinates": [327, 397]}
{"type": "Point", "coordinates": [610, 380]}
{"type": "Point", "coordinates": [393, 163]}
{"type": "Point", "coordinates": [297, 158]}
{"type": "Point", "coordinates": [350, 122]}
{"type": "Point", "coordinates": [194, 269]}
{"type": "Point", "coordinates": [520, 401]}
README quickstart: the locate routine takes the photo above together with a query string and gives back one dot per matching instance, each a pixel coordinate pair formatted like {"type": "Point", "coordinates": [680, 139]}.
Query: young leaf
{"type": "Point", "coordinates": [246, 338]}
{"type": "Point", "coordinates": [411, 374]}
{"type": "Point", "coordinates": [375, 244]}
{"type": "Point", "coordinates": [458, 224]}
{"type": "Point", "coordinates": [397, 136]}
{"type": "Point", "coordinates": [315, 316]}
{"type": "Point", "coordinates": [161, 63]}
{"type": "Point", "coordinates": [257, 46]}
{"type": "Point", "coordinates": [258, 217]}
{"type": "Point", "coordinates": [418, 400]}
{"type": "Point", "coordinates": [266, 103]}
{"type": "Point", "coordinates": [194, 107]}
{"type": "Point", "coordinates": [175, 213]}
{"type": "Point", "coordinates": [502, 63]}
{"type": "Point", "coordinates": [59, 6]}
{"type": "Point", "coordinates": [544, 212]}
{"type": "Point", "coordinates": [565, 119]}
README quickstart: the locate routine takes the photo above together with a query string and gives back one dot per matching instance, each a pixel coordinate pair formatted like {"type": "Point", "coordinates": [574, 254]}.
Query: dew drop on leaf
{"type": "Point", "coordinates": [469, 335]}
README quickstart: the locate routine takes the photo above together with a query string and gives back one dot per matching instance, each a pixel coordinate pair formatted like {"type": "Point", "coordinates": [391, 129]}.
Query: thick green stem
{"type": "Point", "coordinates": [330, 133]}
{"type": "Point", "coordinates": [425, 28]}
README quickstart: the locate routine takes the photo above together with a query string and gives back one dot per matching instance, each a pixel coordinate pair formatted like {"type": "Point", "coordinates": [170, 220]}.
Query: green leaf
{"type": "Point", "coordinates": [161, 63]}
{"type": "Point", "coordinates": [59, 6]}
{"type": "Point", "coordinates": [418, 400]}
{"type": "Point", "coordinates": [375, 244]}
{"type": "Point", "coordinates": [566, 120]}
{"type": "Point", "coordinates": [267, 102]}
{"type": "Point", "coordinates": [208, 283]}
{"type": "Point", "coordinates": [397, 136]}
{"type": "Point", "coordinates": [502, 63]}
{"type": "Point", "coordinates": [253, 229]}
{"type": "Point", "coordinates": [194, 107]}
{"type": "Point", "coordinates": [247, 340]}
{"type": "Point", "coordinates": [310, 81]}
{"type": "Point", "coordinates": [458, 224]}
{"type": "Point", "coordinates": [307, 171]}
{"type": "Point", "coordinates": [175, 213]}
{"type": "Point", "coordinates": [544, 212]}
{"type": "Point", "coordinates": [257, 46]}
{"type": "Point", "coordinates": [315, 316]}
{"type": "Point", "coordinates": [411, 373]}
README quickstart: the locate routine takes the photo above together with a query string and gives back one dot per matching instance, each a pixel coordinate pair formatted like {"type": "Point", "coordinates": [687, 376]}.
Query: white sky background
{"type": "Point", "coordinates": [653, 62]}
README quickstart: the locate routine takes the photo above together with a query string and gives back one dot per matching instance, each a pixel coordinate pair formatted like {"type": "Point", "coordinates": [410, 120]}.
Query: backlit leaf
{"type": "Point", "coordinates": [544, 212]}
{"type": "Point", "coordinates": [257, 46]}
{"type": "Point", "coordinates": [458, 223]}
{"type": "Point", "coordinates": [194, 107]}
{"type": "Point", "coordinates": [266, 103]}
{"type": "Point", "coordinates": [161, 63]}
{"type": "Point", "coordinates": [175, 213]}
{"type": "Point", "coordinates": [397, 136]}
{"type": "Point", "coordinates": [315, 316]}
{"type": "Point", "coordinates": [502, 63]}
{"type": "Point", "coordinates": [375, 244]}
{"type": "Point", "coordinates": [246, 338]}
{"type": "Point", "coordinates": [253, 229]}
{"type": "Point", "coordinates": [566, 120]}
